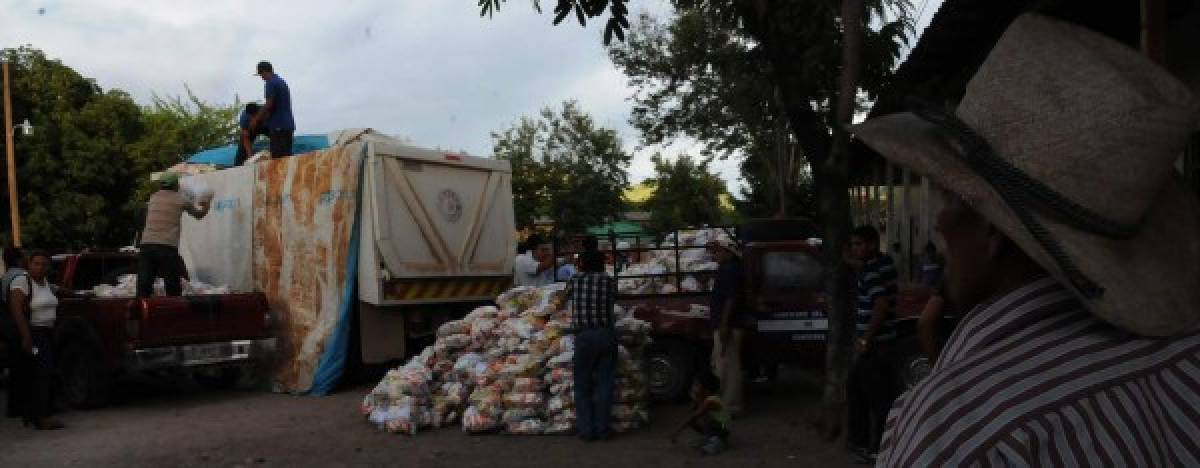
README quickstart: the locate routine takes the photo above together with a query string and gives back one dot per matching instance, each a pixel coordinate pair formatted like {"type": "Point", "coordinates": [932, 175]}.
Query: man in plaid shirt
{"type": "Point", "coordinates": [592, 295]}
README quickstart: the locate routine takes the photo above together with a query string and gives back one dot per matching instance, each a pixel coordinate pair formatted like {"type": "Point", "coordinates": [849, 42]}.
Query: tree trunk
{"type": "Point", "coordinates": [835, 205]}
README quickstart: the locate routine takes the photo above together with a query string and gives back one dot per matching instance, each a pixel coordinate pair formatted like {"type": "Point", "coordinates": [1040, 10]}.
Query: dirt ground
{"type": "Point", "coordinates": [163, 423]}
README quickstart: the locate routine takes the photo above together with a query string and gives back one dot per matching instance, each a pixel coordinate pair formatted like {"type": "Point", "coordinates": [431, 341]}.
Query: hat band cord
{"type": "Point", "coordinates": [1023, 192]}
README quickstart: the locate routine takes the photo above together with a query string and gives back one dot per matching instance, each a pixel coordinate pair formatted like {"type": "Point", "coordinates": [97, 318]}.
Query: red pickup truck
{"type": "Point", "coordinates": [784, 291]}
{"type": "Point", "coordinates": [218, 338]}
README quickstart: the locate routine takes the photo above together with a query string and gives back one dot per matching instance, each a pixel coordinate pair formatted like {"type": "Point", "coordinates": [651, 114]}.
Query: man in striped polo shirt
{"type": "Point", "coordinates": [1075, 249]}
{"type": "Point", "coordinates": [872, 385]}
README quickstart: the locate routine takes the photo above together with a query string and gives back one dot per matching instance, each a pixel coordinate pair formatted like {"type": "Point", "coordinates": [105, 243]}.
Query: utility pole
{"type": "Point", "coordinates": [12, 163]}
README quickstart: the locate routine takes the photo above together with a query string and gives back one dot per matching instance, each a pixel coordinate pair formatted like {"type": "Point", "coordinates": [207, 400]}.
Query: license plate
{"type": "Point", "coordinates": [207, 353]}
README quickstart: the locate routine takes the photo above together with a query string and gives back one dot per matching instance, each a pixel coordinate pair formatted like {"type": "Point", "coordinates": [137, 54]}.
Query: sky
{"type": "Point", "coordinates": [431, 71]}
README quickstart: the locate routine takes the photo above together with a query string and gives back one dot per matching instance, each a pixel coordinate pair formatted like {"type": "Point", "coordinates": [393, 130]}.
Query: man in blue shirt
{"type": "Point", "coordinates": [729, 321]}
{"type": "Point", "coordinates": [247, 133]}
{"type": "Point", "coordinates": [275, 117]}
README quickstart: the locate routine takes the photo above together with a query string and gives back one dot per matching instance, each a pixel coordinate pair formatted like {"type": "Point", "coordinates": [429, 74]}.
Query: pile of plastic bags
{"type": "Point", "coordinates": [663, 262]}
{"type": "Point", "coordinates": [127, 287]}
{"type": "Point", "coordinates": [508, 369]}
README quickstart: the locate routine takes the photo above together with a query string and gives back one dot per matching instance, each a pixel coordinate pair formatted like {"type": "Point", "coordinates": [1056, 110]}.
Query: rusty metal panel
{"type": "Point", "coordinates": [304, 209]}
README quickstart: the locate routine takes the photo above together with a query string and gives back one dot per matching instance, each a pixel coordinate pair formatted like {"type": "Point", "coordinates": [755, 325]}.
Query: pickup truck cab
{"type": "Point", "coordinates": [218, 338]}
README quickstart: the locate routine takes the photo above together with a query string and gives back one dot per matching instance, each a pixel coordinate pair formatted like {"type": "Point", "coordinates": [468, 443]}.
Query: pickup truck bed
{"type": "Point", "coordinates": [217, 337]}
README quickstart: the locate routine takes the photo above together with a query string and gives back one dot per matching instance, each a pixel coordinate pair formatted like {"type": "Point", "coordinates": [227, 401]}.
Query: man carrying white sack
{"type": "Point", "coordinates": [1075, 248]}
{"type": "Point", "coordinates": [158, 255]}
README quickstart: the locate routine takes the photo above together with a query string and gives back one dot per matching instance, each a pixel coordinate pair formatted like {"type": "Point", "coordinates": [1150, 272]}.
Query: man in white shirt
{"type": "Point", "coordinates": [535, 267]}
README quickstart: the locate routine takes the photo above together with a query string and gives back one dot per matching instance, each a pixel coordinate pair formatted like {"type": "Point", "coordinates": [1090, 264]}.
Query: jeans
{"type": "Point", "coordinates": [159, 261]}
{"type": "Point", "coordinates": [32, 375]}
{"type": "Point", "coordinates": [727, 366]}
{"type": "Point", "coordinates": [281, 143]}
{"type": "Point", "coordinates": [595, 376]}
{"type": "Point", "coordinates": [871, 389]}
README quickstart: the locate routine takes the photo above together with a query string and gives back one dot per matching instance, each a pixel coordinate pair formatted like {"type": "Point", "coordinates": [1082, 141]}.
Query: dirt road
{"type": "Point", "coordinates": [158, 424]}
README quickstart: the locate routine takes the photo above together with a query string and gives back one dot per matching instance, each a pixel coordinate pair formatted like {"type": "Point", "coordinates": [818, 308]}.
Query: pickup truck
{"type": "Point", "coordinates": [784, 291]}
{"type": "Point", "coordinates": [219, 339]}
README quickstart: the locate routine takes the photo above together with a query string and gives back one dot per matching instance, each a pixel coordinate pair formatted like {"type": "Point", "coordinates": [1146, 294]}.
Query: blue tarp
{"type": "Point", "coordinates": [224, 155]}
{"type": "Point", "coordinates": [333, 361]}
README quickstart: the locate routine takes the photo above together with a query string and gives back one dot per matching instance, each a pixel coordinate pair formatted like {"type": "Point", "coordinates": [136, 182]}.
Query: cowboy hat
{"type": "Point", "coordinates": [1065, 141]}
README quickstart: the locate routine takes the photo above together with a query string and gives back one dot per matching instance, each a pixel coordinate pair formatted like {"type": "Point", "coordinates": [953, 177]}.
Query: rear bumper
{"type": "Point", "coordinates": [203, 354]}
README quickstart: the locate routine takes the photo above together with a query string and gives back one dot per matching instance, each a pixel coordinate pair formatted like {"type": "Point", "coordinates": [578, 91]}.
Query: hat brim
{"type": "Point", "coordinates": [1151, 282]}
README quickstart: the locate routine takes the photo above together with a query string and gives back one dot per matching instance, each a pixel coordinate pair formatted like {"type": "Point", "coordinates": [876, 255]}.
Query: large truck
{"type": "Point", "coordinates": [363, 247]}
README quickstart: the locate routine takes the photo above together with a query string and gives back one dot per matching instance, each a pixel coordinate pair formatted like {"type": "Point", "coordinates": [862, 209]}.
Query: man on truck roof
{"type": "Point", "coordinates": [158, 255]}
{"type": "Point", "coordinates": [247, 133]}
{"type": "Point", "coordinates": [275, 117]}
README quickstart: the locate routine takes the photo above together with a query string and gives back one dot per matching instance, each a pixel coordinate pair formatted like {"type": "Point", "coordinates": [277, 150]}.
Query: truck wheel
{"type": "Point", "coordinates": [223, 378]}
{"type": "Point", "coordinates": [85, 381]}
{"type": "Point", "coordinates": [669, 370]}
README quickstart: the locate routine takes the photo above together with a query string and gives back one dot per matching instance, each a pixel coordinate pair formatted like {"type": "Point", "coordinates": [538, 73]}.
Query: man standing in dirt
{"type": "Point", "coordinates": [592, 295]}
{"type": "Point", "coordinates": [729, 322]}
{"type": "Point", "coordinates": [275, 116]}
{"type": "Point", "coordinates": [872, 385]}
{"type": "Point", "coordinates": [1075, 248]}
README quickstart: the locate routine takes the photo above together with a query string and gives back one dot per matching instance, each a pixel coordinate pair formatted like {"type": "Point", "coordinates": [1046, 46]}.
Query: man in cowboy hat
{"type": "Point", "coordinates": [1076, 251]}
{"type": "Point", "coordinates": [729, 321]}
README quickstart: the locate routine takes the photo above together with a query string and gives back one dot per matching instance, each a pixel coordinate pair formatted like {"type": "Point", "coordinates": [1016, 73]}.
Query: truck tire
{"type": "Point", "coordinates": [85, 382]}
{"type": "Point", "coordinates": [223, 378]}
{"type": "Point", "coordinates": [670, 365]}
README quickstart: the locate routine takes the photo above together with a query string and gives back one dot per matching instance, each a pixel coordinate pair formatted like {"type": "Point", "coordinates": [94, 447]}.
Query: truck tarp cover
{"type": "Point", "coordinates": [286, 227]}
{"type": "Point", "coordinates": [217, 249]}
{"type": "Point", "coordinates": [305, 211]}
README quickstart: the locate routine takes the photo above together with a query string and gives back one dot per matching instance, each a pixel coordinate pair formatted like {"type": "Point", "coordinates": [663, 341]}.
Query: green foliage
{"type": "Point", "coordinates": [617, 24]}
{"type": "Point", "coordinates": [177, 127]}
{"type": "Point", "coordinates": [564, 168]}
{"type": "Point", "coordinates": [704, 74]}
{"type": "Point", "coordinates": [78, 174]}
{"type": "Point", "coordinates": [686, 193]}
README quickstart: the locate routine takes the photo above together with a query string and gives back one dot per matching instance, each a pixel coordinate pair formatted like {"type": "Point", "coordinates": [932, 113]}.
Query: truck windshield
{"type": "Point", "coordinates": [791, 270]}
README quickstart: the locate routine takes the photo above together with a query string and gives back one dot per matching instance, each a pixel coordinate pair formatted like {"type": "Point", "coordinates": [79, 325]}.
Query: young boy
{"type": "Point", "coordinates": [709, 417]}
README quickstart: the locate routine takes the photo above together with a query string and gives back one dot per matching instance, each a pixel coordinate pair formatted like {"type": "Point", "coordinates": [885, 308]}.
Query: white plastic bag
{"type": "Point", "coordinates": [195, 190]}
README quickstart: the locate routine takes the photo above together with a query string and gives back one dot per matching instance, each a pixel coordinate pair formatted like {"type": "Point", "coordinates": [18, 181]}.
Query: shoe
{"type": "Point", "coordinates": [712, 446]}
{"type": "Point", "coordinates": [587, 437]}
{"type": "Point", "coordinates": [604, 436]}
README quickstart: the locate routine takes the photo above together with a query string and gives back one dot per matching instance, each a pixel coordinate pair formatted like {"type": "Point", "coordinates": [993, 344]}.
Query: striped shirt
{"type": "Point", "coordinates": [877, 279]}
{"type": "Point", "coordinates": [1031, 379]}
{"type": "Point", "coordinates": [592, 297]}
